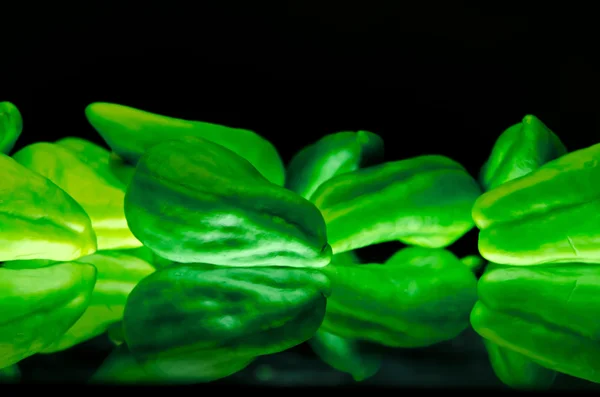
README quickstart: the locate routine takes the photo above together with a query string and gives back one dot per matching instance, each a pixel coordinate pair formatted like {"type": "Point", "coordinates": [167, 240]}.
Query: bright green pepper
{"type": "Point", "coordinates": [548, 216]}
{"type": "Point", "coordinates": [99, 159]}
{"type": "Point", "coordinates": [522, 148]}
{"type": "Point", "coordinates": [419, 297]}
{"type": "Point", "coordinates": [332, 155]}
{"type": "Point", "coordinates": [193, 201]}
{"type": "Point", "coordinates": [101, 200]}
{"type": "Point", "coordinates": [40, 305]}
{"type": "Point", "coordinates": [38, 219]}
{"type": "Point", "coordinates": [208, 322]}
{"type": "Point", "coordinates": [11, 126]}
{"type": "Point", "coordinates": [118, 274]}
{"type": "Point", "coordinates": [545, 313]}
{"type": "Point", "coordinates": [424, 201]}
{"type": "Point", "coordinates": [130, 132]}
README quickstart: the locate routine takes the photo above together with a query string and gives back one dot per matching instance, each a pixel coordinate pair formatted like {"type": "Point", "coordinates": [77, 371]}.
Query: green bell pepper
{"type": "Point", "coordinates": [103, 201]}
{"type": "Point", "coordinates": [118, 274]}
{"type": "Point", "coordinates": [419, 297]}
{"type": "Point", "coordinates": [520, 149]}
{"type": "Point", "coordinates": [130, 132]}
{"type": "Point", "coordinates": [547, 216]}
{"type": "Point", "coordinates": [99, 159]}
{"type": "Point", "coordinates": [11, 126]}
{"type": "Point", "coordinates": [193, 201]}
{"type": "Point", "coordinates": [517, 370]}
{"type": "Point", "coordinates": [424, 201]}
{"type": "Point", "coordinates": [40, 305]}
{"type": "Point", "coordinates": [209, 322]}
{"type": "Point", "coordinates": [38, 219]}
{"type": "Point", "coordinates": [545, 313]}
{"type": "Point", "coordinates": [332, 155]}
{"type": "Point", "coordinates": [345, 355]}
{"type": "Point", "coordinates": [120, 367]}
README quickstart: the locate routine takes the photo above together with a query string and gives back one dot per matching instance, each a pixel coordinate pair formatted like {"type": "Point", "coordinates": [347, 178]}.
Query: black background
{"type": "Point", "coordinates": [430, 78]}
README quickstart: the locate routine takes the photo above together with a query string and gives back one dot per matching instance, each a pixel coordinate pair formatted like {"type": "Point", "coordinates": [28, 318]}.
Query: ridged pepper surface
{"type": "Point", "coordinates": [209, 322]}
{"type": "Point", "coordinates": [103, 202]}
{"type": "Point", "coordinates": [331, 155]}
{"type": "Point", "coordinates": [39, 305]}
{"type": "Point", "coordinates": [193, 201]}
{"type": "Point", "coordinates": [99, 159]}
{"type": "Point", "coordinates": [550, 215]}
{"type": "Point", "coordinates": [129, 132]}
{"type": "Point", "coordinates": [545, 313]}
{"type": "Point", "coordinates": [424, 201]}
{"type": "Point", "coordinates": [419, 297]}
{"type": "Point", "coordinates": [520, 150]}
{"type": "Point", "coordinates": [38, 220]}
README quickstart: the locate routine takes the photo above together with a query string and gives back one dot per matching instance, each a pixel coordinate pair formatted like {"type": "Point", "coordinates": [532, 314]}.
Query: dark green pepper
{"type": "Point", "coordinates": [332, 155]}
{"type": "Point", "coordinates": [424, 201]}
{"type": "Point", "coordinates": [10, 374]}
{"type": "Point", "coordinates": [99, 159]}
{"type": "Point", "coordinates": [209, 322]}
{"type": "Point", "coordinates": [419, 297]}
{"type": "Point", "coordinates": [11, 126]}
{"type": "Point", "coordinates": [130, 132]}
{"type": "Point", "coordinates": [191, 201]}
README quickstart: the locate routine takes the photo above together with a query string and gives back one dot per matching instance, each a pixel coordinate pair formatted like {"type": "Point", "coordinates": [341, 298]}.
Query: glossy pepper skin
{"type": "Point", "coordinates": [98, 159]}
{"type": "Point", "coordinates": [517, 370]}
{"type": "Point", "coordinates": [11, 126]}
{"type": "Point", "coordinates": [419, 297]}
{"type": "Point", "coordinates": [117, 274]}
{"type": "Point", "coordinates": [130, 132]}
{"type": "Point", "coordinates": [520, 149]}
{"type": "Point", "coordinates": [102, 201]}
{"type": "Point", "coordinates": [551, 323]}
{"type": "Point", "coordinates": [424, 201]}
{"type": "Point", "coordinates": [332, 155]}
{"type": "Point", "coordinates": [209, 322]}
{"type": "Point", "coordinates": [191, 201]}
{"type": "Point", "coordinates": [346, 355]}
{"type": "Point", "coordinates": [40, 305]}
{"type": "Point", "coordinates": [38, 220]}
{"type": "Point", "coordinates": [548, 216]}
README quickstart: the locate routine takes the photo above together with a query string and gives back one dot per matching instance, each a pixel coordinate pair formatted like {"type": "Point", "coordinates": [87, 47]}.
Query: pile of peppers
{"type": "Point", "coordinates": [196, 250]}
